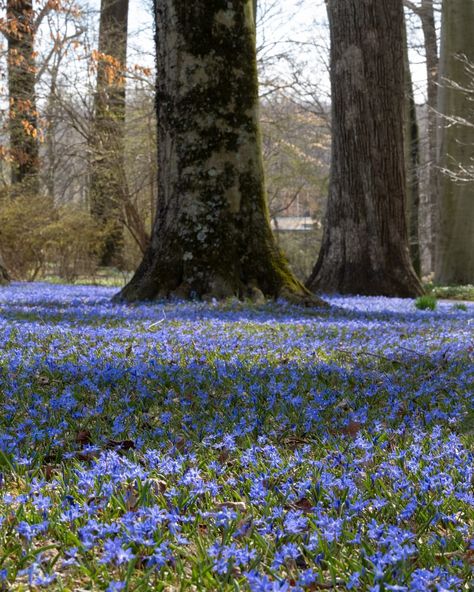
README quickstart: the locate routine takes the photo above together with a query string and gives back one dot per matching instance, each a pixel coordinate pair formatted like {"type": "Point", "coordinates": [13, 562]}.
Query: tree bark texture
{"type": "Point", "coordinates": [108, 186]}
{"type": "Point", "coordinates": [428, 24]}
{"type": "Point", "coordinates": [365, 240]}
{"type": "Point", "coordinates": [455, 250]}
{"type": "Point", "coordinates": [212, 235]}
{"type": "Point", "coordinates": [23, 127]}
{"type": "Point", "coordinates": [4, 275]}
{"type": "Point", "coordinates": [412, 164]}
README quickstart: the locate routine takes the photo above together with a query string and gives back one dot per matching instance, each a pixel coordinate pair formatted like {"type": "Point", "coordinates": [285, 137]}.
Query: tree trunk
{"type": "Point", "coordinates": [412, 164]}
{"type": "Point", "coordinates": [108, 188]}
{"type": "Point", "coordinates": [212, 235]}
{"type": "Point", "coordinates": [365, 242]}
{"type": "Point", "coordinates": [21, 89]}
{"type": "Point", "coordinates": [428, 25]}
{"type": "Point", "coordinates": [455, 251]}
{"type": "Point", "coordinates": [425, 12]}
{"type": "Point", "coordinates": [4, 275]}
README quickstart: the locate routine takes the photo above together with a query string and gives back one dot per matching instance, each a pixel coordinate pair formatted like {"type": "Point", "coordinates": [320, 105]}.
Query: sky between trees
{"type": "Point", "coordinates": [296, 27]}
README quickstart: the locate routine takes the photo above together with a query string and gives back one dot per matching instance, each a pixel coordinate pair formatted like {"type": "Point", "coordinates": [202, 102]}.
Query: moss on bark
{"type": "Point", "coordinates": [212, 235]}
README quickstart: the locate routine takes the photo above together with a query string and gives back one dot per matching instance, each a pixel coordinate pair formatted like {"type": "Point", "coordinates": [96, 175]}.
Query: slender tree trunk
{"type": "Point", "coordinates": [455, 251]}
{"type": "Point", "coordinates": [212, 235]}
{"type": "Point", "coordinates": [4, 275]}
{"type": "Point", "coordinates": [428, 25]}
{"type": "Point", "coordinates": [108, 189]}
{"type": "Point", "coordinates": [51, 152]}
{"type": "Point", "coordinates": [426, 14]}
{"type": "Point", "coordinates": [21, 88]}
{"type": "Point", "coordinates": [412, 164]}
{"type": "Point", "coordinates": [365, 242]}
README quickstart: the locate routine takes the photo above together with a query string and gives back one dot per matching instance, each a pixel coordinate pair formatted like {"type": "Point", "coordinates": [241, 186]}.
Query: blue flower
{"type": "Point", "coordinates": [116, 586]}
{"type": "Point", "coordinates": [115, 553]}
{"type": "Point", "coordinates": [295, 522]}
{"type": "Point", "coordinates": [160, 557]}
{"type": "Point", "coordinates": [287, 551]}
{"type": "Point", "coordinates": [262, 583]}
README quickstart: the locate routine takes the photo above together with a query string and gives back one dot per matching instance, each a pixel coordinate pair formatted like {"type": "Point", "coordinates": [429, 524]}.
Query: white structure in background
{"type": "Point", "coordinates": [293, 223]}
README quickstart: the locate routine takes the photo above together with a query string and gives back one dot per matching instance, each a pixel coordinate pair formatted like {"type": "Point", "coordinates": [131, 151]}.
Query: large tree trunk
{"type": "Point", "coordinates": [21, 89]}
{"type": "Point", "coordinates": [109, 188]}
{"type": "Point", "coordinates": [365, 242]}
{"type": "Point", "coordinates": [212, 234]}
{"type": "Point", "coordinates": [455, 252]}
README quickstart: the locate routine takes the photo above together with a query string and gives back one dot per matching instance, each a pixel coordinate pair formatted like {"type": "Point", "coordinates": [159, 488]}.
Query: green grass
{"type": "Point", "coordinates": [426, 302]}
{"type": "Point", "coordinates": [107, 277]}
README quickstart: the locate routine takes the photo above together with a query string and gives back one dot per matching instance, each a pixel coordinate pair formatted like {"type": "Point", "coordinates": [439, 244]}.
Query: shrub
{"type": "Point", "coordinates": [37, 238]}
{"type": "Point", "coordinates": [72, 244]}
{"type": "Point", "coordinates": [22, 222]}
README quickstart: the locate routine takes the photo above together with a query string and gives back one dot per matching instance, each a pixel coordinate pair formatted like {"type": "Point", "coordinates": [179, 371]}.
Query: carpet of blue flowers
{"type": "Point", "coordinates": [225, 447]}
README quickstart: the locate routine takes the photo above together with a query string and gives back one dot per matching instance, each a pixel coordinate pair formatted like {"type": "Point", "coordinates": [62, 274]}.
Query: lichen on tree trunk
{"type": "Point", "coordinates": [365, 242]}
{"type": "Point", "coordinates": [212, 235]}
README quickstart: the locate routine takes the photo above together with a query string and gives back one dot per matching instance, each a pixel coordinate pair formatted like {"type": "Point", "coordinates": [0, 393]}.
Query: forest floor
{"type": "Point", "coordinates": [225, 447]}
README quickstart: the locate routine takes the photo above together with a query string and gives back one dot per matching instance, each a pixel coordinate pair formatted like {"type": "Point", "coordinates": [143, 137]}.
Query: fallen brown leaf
{"type": "Point", "coordinates": [83, 438]}
{"type": "Point", "coordinates": [237, 506]}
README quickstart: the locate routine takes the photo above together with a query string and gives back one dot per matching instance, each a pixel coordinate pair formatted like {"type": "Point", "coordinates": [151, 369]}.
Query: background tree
{"type": "Point", "coordinates": [19, 29]}
{"type": "Point", "coordinates": [108, 189]}
{"type": "Point", "coordinates": [412, 164]}
{"type": "Point", "coordinates": [365, 243]}
{"type": "Point", "coordinates": [23, 128]}
{"type": "Point", "coordinates": [425, 11]}
{"type": "Point", "coordinates": [455, 251]}
{"type": "Point", "coordinates": [4, 275]}
{"type": "Point", "coordinates": [212, 235]}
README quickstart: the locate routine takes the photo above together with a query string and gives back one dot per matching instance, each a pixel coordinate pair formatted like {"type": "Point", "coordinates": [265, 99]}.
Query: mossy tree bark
{"type": "Point", "coordinates": [108, 186]}
{"type": "Point", "coordinates": [23, 127]}
{"type": "Point", "coordinates": [212, 234]}
{"type": "Point", "coordinates": [455, 247]}
{"type": "Point", "coordinates": [365, 240]}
